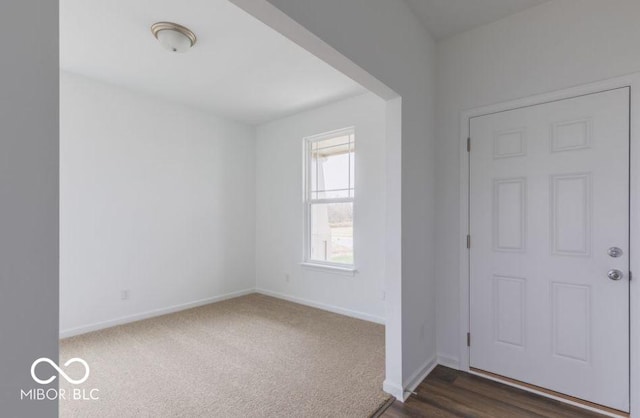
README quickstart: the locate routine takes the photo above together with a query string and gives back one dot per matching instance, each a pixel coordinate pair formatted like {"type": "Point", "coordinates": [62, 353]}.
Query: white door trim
{"type": "Point", "coordinates": [632, 81]}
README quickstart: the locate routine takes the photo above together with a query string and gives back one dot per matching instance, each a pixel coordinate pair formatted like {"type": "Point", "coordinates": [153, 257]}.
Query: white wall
{"type": "Point", "coordinates": [557, 45]}
{"type": "Point", "coordinates": [388, 41]}
{"type": "Point", "coordinates": [279, 205]}
{"type": "Point", "coordinates": [156, 198]}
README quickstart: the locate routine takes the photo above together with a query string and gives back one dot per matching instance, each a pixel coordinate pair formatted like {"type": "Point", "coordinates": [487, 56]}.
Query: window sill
{"type": "Point", "coordinates": [344, 271]}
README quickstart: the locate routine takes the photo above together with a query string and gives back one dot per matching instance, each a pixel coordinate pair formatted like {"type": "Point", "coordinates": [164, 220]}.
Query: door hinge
{"type": "Point", "coordinates": [468, 241]}
{"type": "Point", "coordinates": [469, 144]}
{"type": "Point", "coordinates": [468, 339]}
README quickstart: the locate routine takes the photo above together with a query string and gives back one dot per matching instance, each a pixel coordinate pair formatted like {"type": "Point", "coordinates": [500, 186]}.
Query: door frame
{"type": "Point", "coordinates": [633, 82]}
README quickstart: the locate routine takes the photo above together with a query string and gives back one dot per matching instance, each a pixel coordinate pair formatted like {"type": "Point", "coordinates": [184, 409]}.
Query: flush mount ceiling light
{"type": "Point", "coordinates": [174, 37]}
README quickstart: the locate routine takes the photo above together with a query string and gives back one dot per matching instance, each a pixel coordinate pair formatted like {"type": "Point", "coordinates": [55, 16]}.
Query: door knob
{"type": "Point", "coordinates": [615, 274]}
{"type": "Point", "coordinates": [614, 252]}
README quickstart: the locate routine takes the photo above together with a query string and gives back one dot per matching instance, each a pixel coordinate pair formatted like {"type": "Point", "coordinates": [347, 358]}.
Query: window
{"type": "Point", "coordinates": [329, 194]}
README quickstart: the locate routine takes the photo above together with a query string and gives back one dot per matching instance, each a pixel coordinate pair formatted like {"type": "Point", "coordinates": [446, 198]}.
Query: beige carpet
{"type": "Point", "coordinates": [253, 356]}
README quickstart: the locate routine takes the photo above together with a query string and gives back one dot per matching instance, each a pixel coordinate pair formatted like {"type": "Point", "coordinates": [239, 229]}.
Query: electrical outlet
{"type": "Point", "coordinates": [124, 295]}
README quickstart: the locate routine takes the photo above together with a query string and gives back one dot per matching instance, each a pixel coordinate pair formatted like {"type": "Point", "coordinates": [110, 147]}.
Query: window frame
{"type": "Point", "coordinates": [308, 201]}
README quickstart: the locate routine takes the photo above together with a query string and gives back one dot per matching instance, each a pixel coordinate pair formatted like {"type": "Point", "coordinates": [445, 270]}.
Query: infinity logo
{"type": "Point", "coordinates": [55, 366]}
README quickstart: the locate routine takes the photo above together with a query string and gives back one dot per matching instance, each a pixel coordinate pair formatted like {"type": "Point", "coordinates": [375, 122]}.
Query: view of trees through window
{"type": "Point", "coordinates": [330, 198]}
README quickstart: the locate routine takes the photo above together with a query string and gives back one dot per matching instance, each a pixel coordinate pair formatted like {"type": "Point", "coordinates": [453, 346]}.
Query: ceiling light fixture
{"type": "Point", "coordinates": [174, 37]}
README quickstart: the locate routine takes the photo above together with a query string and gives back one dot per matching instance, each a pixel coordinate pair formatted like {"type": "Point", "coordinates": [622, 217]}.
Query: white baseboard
{"type": "Point", "coordinates": [418, 376]}
{"type": "Point", "coordinates": [70, 332]}
{"type": "Point", "coordinates": [150, 314]}
{"type": "Point", "coordinates": [450, 362]}
{"type": "Point", "coordinates": [393, 389]}
{"type": "Point", "coordinates": [323, 306]}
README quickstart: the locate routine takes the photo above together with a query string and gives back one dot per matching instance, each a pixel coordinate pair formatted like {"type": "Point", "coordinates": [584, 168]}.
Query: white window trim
{"type": "Point", "coordinates": [330, 268]}
{"type": "Point", "coordinates": [348, 269]}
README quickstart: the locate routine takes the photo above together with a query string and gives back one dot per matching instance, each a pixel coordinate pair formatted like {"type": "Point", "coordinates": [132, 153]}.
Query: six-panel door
{"type": "Point", "coordinates": [549, 195]}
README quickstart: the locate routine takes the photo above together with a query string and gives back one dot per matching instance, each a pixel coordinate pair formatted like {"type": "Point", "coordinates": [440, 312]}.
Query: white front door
{"type": "Point", "coordinates": [549, 198]}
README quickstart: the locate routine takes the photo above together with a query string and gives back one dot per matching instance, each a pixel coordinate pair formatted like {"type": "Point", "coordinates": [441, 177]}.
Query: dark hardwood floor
{"type": "Point", "coordinates": [451, 393]}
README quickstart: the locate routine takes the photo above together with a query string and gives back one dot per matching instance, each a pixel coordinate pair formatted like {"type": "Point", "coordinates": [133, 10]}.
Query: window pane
{"type": "Point", "coordinates": [332, 232]}
{"type": "Point", "coordinates": [313, 177]}
{"type": "Point", "coordinates": [352, 170]}
{"type": "Point", "coordinates": [332, 168]}
{"type": "Point", "coordinates": [332, 173]}
{"type": "Point", "coordinates": [335, 141]}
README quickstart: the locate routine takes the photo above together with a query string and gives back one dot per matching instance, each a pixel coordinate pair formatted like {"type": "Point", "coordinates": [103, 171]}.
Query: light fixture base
{"type": "Point", "coordinates": [158, 27]}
